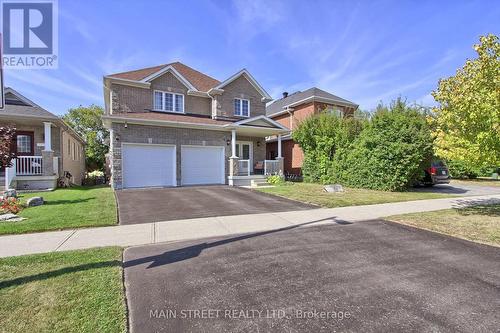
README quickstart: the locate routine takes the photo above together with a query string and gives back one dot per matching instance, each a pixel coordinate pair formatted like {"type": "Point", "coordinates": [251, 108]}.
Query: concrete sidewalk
{"type": "Point", "coordinates": [150, 233]}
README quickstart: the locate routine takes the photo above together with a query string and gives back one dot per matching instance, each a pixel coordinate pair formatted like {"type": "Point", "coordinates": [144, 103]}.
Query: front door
{"type": "Point", "coordinates": [244, 152]}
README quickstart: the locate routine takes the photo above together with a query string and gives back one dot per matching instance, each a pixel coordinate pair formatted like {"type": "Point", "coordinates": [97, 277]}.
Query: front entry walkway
{"type": "Point", "coordinates": [150, 233]}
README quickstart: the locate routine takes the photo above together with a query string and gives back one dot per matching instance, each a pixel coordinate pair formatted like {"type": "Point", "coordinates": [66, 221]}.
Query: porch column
{"type": "Point", "coordinates": [48, 136]}
{"type": "Point", "coordinates": [279, 146]}
{"type": "Point", "coordinates": [280, 157]}
{"type": "Point", "coordinates": [47, 152]}
{"type": "Point", "coordinates": [233, 144]}
{"type": "Point", "coordinates": [233, 160]}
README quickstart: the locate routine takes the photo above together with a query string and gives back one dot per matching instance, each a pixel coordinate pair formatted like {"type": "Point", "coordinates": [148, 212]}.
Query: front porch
{"type": "Point", "coordinates": [32, 172]}
{"type": "Point", "coordinates": [246, 169]}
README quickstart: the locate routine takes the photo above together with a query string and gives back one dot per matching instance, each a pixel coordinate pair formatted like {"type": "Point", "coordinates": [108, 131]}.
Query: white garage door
{"type": "Point", "coordinates": [202, 165]}
{"type": "Point", "coordinates": [148, 165]}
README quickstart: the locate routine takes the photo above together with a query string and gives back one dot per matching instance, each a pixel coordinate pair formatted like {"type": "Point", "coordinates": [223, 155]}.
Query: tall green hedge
{"type": "Point", "coordinates": [390, 152]}
{"type": "Point", "coordinates": [320, 137]}
{"type": "Point", "coordinates": [386, 152]}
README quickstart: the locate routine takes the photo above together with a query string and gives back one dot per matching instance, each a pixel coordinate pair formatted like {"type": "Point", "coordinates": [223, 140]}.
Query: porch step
{"type": "Point", "coordinates": [259, 182]}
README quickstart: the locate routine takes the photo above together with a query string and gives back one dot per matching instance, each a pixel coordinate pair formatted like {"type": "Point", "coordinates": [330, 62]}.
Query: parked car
{"type": "Point", "coordinates": [436, 172]}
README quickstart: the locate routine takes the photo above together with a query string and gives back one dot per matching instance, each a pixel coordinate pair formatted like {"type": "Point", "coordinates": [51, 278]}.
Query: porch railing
{"type": "Point", "coordinates": [29, 165]}
{"type": "Point", "coordinates": [244, 167]}
{"type": "Point", "coordinates": [271, 167]}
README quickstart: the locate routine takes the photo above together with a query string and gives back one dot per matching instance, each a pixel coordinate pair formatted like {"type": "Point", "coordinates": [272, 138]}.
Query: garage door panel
{"type": "Point", "coordinates": [202, 165]}
{"type": "Point", "coordinates": [148, 165]}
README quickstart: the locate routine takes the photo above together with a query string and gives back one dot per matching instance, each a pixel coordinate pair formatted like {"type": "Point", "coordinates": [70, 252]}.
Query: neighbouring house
{"type": "Point", "coordinates": [171, 125]}
{"type": "Point", "coordinates": [291, 110]}
{"type": "Point", "coordinates": [46, 148]}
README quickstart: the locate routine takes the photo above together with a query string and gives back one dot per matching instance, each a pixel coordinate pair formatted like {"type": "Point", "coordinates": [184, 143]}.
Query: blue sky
{"type": "Point", "coordinates": [366, 51]}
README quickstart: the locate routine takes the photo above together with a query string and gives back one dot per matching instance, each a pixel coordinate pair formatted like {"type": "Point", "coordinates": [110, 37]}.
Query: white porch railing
{"type": "Point", "coordinates": [271, 167]}
{"type": "Point", "coordinates": [29, 165]}
{"type": "Point", "coordinates": [244, 167]}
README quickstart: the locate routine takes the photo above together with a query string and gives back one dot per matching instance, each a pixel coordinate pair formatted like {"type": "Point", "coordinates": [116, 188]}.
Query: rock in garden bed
{"type": "Point", "coordinates": [35, 201]}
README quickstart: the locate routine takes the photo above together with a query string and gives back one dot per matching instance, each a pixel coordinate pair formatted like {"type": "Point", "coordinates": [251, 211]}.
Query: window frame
{"type": "Point", "coordinates": [31, 135]}
{"type": "Point", "coordinates": [163, 101]}
{"type": "Point", "coordinates": [240, 103]}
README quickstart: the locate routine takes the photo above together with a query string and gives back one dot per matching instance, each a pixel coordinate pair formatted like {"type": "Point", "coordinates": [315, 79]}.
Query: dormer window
{"type": "Point", "coordinates": [169, 102]}
{"type": "Point", "coordinates": [241, 107]}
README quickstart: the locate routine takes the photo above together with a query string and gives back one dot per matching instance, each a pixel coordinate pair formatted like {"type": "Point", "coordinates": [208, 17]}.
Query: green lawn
{"type": "Point", "coordinates": [314, 193]}
{"type": "Point", "coordinates": [479, 223]}
{"type": "Point", "coordinates": [76, 291]}
{"type": "Point", "coordinates": [66, 208]}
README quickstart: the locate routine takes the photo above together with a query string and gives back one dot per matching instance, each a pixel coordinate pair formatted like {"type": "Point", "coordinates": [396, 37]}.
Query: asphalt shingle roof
{"type": "Point", "coordinates": [200, 81]}
{"type": "Point", "coordinates": [279, 104]}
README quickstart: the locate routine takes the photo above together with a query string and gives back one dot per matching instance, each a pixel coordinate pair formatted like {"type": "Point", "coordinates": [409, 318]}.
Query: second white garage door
{"type": "Point", "coordinates": [202, 165]}
{"type": "Point", "coordinates": [148, 165]}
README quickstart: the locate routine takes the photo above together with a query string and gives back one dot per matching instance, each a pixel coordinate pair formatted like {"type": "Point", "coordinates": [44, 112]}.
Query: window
{"type": "Point", "coordinates": [24, 144]}
{"type": "Point", "coordinates": [241, 107]}
{"type": "Point", "coordinates": [165, 101]}
{"type": "Point", "coordinates": [335, 110]}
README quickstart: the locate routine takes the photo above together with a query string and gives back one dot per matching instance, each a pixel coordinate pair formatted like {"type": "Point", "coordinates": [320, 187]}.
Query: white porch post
{"type": "Point", "coordinates": [279, 146]}
{"type": "Point", "coordinates": [48, 136]}
{"type": "Point", "coordinates": [233, 144]}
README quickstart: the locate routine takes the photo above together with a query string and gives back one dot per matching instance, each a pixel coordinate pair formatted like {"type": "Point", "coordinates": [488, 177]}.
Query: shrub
{"type": "Point", "coordinates": [389, 153]}
{"type": "Point", "coordinates": [275, 179]}
{"type": "Point", "coordinates": [320, 137]}
{"type": "Point", "coordinates": [11, 205]}
{"type": "Point", "coordinates": [461, 170]}
{"type": "Point", "coordinates": [95, 177]}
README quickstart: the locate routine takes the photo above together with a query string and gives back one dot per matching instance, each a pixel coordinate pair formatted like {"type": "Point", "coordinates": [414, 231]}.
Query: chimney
{"type": "Point", "coordinates": [285, 94]}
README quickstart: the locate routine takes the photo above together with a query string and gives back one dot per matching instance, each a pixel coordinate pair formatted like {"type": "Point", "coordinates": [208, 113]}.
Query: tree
{"type": "Point", "coordinates": [389, 153]}
{"type": "Point", "coordinates": [87, 122]}
{"type": "Point", "coordinates": [6, 136]}
{"type": "Point", "coordinates": [467, 120]}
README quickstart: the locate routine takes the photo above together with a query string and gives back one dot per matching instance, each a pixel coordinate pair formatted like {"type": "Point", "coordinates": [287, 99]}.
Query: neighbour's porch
{"type": "Point", "coordinates": [248, 166]}
{"type": "Point", "coordinates": [32, 172]}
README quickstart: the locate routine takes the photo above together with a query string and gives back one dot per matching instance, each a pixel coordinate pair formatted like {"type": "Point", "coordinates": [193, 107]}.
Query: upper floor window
{"type": "Point", "coordinates": [335, 110]}
{"type": "Point", "coordinates": [241, 107]}
{"type": "Point", "coordinates": [165, 101]}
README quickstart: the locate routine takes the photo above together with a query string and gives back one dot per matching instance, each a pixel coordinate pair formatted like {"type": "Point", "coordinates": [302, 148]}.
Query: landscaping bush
{"type": "Point", "coordinates": [275, 180]}
{"type": "Point", "coordinates": [95, 177]}
{"type": "Point", "coordinates": [389, 153]}
{"type": "Point", "coordinates": [320, 137]}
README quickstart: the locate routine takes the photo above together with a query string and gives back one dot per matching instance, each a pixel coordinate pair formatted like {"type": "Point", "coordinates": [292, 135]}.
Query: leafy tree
{"type": "Point", "coordinates": [6, 136]}
{"type": "Point", "coordinates": [467, 120]}
{"type": "Point", "coordinates": [320, 137]}
{"type": "Point", "coordinates": [389, 153]}
{"type": "Point", "coordinates": [87, 122]}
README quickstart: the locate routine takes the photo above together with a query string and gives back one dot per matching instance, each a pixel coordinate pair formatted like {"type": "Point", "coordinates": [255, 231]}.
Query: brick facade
{"type": "Point", "coordinates": [176, 136]}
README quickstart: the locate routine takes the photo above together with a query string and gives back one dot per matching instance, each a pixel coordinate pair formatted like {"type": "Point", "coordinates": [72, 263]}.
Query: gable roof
{"type": "Point", "coordinates": [198, 80]}
{"type": "Point", "coordinates": [17, 105]}
{"type": "Point", "coordinates": [251, 79]}
{"type": "Point", "coordinates": [311, 94]}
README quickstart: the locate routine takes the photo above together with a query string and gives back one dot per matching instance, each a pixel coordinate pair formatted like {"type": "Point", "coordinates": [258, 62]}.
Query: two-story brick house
{"type": "Point", "coordinates": [291, 110]}
{"type": "Point", "coordinates": [171, 125]}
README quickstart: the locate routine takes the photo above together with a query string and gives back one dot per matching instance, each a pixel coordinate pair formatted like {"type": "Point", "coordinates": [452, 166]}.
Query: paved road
{"type": "Point", "coordinates": [461, 189]}
{"type": "Point", "coordinates": [384, 276]}
{"type": "Point", "coordinates": [167, 204]}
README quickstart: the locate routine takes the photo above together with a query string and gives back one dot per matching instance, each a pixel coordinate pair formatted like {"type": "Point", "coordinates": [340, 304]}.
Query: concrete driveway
{"type": "Point", "coordinates": [166, 204]}
{"type": "Point", "coordinates": [361, 277]}
{"type": "Point", "coordinates": [461, 189]}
